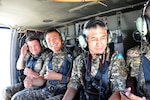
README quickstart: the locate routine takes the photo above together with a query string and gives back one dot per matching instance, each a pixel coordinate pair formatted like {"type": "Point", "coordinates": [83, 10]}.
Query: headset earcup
{"type": "Point", "coordinates": [45, 44]}
{"type": "Point", "coordinates": [141, 25]}
{"type": "Point", "coordinates": [82, 41]}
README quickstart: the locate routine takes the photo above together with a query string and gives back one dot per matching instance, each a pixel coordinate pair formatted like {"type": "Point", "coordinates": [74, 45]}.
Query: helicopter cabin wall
{"type": "Point", "coordinates": [126, 28]}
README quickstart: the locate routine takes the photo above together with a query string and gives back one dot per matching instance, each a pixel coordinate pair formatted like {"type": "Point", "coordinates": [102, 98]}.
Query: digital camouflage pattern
{"type": "Point", "coordinates": [134, 61]}
{"type": "Point", "coordinates": [9, 91]}
{"type": "Point", "coordinates": [30, 94]}
{"type": "Point", "coordinates": [57, 60]}
{"type": "Point", "coordinates": [117, 71]}
{"type": "Point", "coordinates": [40, 61]}
{"type": "Point", "coordinates": [47, 92]}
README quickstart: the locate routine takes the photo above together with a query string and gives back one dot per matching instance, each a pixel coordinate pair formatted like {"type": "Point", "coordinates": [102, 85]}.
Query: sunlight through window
{"type": "Point", "coordinates": [5, 37]}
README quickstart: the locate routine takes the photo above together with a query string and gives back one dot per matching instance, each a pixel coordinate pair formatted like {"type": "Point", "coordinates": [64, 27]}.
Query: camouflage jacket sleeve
{"type": "Point", "coordinates": [40, 61]}
{"type": "Point", "coordinates": [117, 72]}
{"type": "Point", "coordinates": [134, 61]}
{"type": "Point", "coordinates": [26, 58]}
{"type": "Point", "coordinates": [45, 64]}
{"type": "Point", "coordinates": [133, 58]}
{"type": "Point", "coordinates": [76, 75]}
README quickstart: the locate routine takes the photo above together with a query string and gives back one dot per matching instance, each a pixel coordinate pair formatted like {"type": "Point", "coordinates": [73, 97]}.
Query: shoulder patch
{"type": "Point", "coordinates": [119, 56]}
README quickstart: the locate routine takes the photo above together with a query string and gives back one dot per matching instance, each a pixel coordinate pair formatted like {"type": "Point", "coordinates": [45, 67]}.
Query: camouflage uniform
{"type": "Point", "coordinates": [8, 92]}
{"type": "Point", "coordinates": [133, 60]}
{"type": "Point", "coordinates": [54, 89]}
{"type": "Point", "coordinates": [116, 72]}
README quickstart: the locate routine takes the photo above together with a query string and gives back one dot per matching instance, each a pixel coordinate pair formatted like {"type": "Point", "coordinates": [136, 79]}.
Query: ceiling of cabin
{"type": "Point", "coordinates": [34, 13]}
